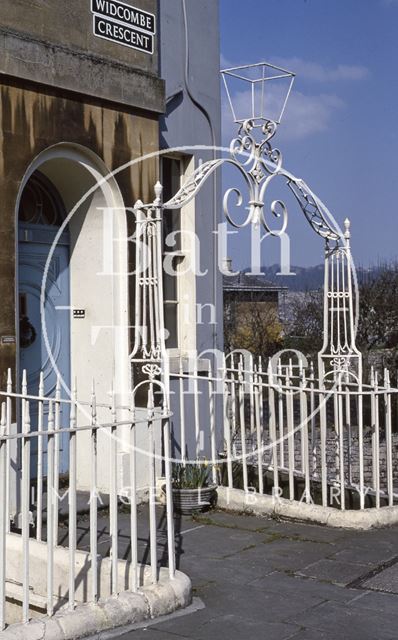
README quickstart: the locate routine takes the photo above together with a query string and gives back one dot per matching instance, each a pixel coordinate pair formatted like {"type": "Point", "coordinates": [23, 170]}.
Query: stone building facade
{"type": "Point", "coordinates": [86, 103]}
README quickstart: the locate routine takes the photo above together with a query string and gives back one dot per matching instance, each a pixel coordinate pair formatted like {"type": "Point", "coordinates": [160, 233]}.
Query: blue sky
{"type": "Point", "coordinates": [340, 129]}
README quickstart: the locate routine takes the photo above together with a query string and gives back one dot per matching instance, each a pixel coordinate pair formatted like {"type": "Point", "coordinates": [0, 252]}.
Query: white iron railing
{"type": "Point", "coordinates": [35, 431]}
{"type": "Point", "coordinates": [288, 435]}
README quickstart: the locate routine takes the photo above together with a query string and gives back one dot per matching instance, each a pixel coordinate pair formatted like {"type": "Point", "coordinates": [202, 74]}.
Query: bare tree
{"type": "Point", "coordinates": [377, 335]}
{"type": "Point", "coordinates": [254, 326]}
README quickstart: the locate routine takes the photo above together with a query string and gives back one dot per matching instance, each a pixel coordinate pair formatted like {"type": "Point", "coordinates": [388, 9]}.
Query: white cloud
{"type": "Point", "coordinates": [314, 71]}
{"type": "Point", "coordinates": [225, 63]}
{"type": "Point", "coordinates": [320, 73]}
{"type": "Point", "coordinates": [305, 115]}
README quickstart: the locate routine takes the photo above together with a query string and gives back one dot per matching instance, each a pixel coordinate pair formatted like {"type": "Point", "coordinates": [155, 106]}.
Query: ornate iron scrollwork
{"type": "Point", "coordinates": [258, 163]}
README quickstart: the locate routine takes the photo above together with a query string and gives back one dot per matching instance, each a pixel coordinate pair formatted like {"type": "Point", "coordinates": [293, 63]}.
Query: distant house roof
{"type": "Point", "coordinates": [245, 282]}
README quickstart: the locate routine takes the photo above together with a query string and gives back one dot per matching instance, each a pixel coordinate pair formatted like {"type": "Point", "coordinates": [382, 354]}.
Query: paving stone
{"type": "Point", "coordinates": [234, 628]}
{"type": "Point", "coordinates": [333, 571]}
{"type": "Point", "coordinates": [250, 604]}
{"type": "Point", "coordinates": [386, 580]}
{"type": "Point", "coordinates": [235, 521]}
{"type": "Point", "coordinates": [313, 532]}
{"type": "Point", "coordinates": [373, 555]}
{"type": "Point", "coordinates": [376, 536]}
{"type": "Point", "coordinates": [238, 572]}
{"type": "Point", "coordinates": [317, 634]}
{"type": "Point", "coordinates": [383, 540]}
{"type": "Point", "coordinates": [288, 585]}
{"type": "Point", "coordinates": [223, 546]}
{"type": "Point", "coordinates": [262, 578]}
{"type": "Point", "coordinates": [376, 601]}
{"type": "Point", "coordinates": [291, 555]}
{"type": "Point", "coordinates": [151, 633]}
{"type": "Point", "coordinates": [347, 623]}
{"type": "Point", "coordinates": [230, 626]}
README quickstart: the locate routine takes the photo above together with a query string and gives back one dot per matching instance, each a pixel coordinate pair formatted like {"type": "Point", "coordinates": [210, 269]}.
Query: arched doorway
{"type": "Point", "coordinates": [64, 198]}
{"type": "Point", "coordinates": [41, 214]}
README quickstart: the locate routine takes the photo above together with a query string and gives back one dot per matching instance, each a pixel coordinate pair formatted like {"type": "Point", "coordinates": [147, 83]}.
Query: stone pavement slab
{"type": "Point", "coordinates": [335, 571]}
{"type": "Point", "coordinates": [348, 622]}
{"type": "Point", "coordinates": [386, 580]}
{"type": "Point", "coordinates": [379, 602]}
{"type": "Point", "coordinates": [290, 584]}
{"type": "Point", "coordinates": [373, 556]}
{"type": "Point", "coordinates": [263, 578]}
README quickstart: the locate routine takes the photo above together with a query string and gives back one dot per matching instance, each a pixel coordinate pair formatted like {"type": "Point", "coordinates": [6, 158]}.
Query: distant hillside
{"type": "Point", "coordinates": [306, 278]}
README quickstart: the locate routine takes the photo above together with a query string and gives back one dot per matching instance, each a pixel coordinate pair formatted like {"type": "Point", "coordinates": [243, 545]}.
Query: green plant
{"type": "Point", "coordinates": [190, 475]}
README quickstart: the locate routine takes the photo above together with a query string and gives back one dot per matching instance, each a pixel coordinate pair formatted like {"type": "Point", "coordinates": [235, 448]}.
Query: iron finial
{"type": "Point", "coordinates": [158, 190]}
{"type": "Point", "coordinates": [347, 225]}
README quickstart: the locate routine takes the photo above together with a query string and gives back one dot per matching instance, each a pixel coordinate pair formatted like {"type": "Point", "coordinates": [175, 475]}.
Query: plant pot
{"type": "Point", "coordinates": [189, 501]}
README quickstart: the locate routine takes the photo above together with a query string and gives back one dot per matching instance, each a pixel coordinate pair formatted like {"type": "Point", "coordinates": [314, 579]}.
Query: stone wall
{"type": "Point", "coordinates": [52, 43]}
{"type": "Point", "coordinates": [351, 455]}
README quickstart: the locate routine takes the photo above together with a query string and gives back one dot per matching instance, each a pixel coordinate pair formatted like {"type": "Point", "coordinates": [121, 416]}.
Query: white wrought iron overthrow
{"type": "Point", "coordinates": [282, 430]}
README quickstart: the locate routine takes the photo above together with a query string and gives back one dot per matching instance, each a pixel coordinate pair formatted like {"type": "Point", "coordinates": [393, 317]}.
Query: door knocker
{"type": "Point", "coordinates": [27, 332]}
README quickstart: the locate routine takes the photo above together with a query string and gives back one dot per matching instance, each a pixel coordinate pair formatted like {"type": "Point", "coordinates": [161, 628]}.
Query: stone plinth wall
{"type": "Point", "coordinates": [350, 453]}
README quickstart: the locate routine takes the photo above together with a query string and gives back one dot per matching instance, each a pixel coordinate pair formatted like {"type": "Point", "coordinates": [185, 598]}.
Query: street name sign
{"type": "Point", "coordinates": [126, 25]}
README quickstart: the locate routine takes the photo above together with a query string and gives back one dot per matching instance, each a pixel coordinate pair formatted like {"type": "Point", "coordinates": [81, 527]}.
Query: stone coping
{"type": "Point", "coordinates": [114, 612]}
{"type": "Point", "coordinates": [254, 503]}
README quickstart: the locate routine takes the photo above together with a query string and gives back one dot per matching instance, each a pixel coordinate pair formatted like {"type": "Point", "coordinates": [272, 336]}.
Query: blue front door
{"type": "Point", "coordinates": [34, 246]}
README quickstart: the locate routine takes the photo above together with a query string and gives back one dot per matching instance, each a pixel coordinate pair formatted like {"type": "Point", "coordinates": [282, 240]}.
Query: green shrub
{"type": "Point", "coordinates": [190, 476]}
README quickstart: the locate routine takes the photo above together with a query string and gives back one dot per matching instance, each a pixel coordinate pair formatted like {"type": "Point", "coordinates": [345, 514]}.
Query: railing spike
{"type": "Point", "coordinates": [132, 404]}
{"type": "Point", "coordinates": [347, 232]}
{"type": "Point", "coordinates": [93, 403]}
{"type": "Point", "coordinates": [3, 418]}
{"type": "Point", "coordinates": [50, 415]}
{"type": "Point", "coordinates": [113, 402]}
{"type": "Point", "coordinates": [150, 402]}
{"type": "Point", "coordinates": [41, 384]}
{"type": "Point", "coordinates": [27, 417]}
{"type": "Point", "coordinates": [270, 372]}
{"type": "Point", "coordinates": [158, 191]}
{"type": "Point", "coordinates": [73, 406]}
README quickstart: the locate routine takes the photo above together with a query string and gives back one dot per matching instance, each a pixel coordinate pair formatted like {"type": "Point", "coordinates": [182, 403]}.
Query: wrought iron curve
{"type": "Point", "coordinates": [258, 162]}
